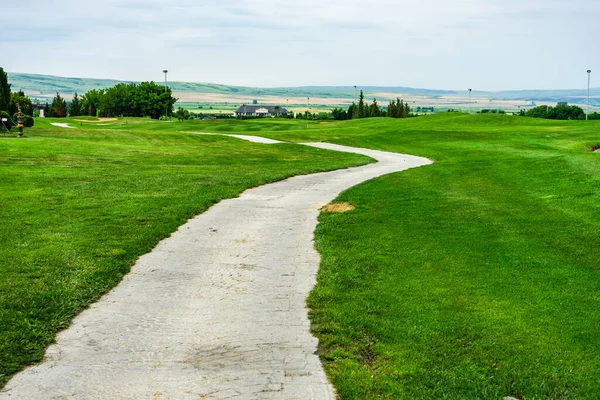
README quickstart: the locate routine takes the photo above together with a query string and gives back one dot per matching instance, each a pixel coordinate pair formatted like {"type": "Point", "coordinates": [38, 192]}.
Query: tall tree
{"type": "Point", "coordinates": [75, 106]}
{"type": "Point", "coordinates": [392, 110]}
{"type": "Point", "coordinates": [4, 90]}
{"type": "Point", "coordinates": [59, 106]}
{"type": "Point", "coordinates": [400, 108]}
{"type": "Point", "coordinates": [374, 109]}
{"type": "Point", "coordinates": [352, 111]}
{"type": "Point", "coordinates": [144, 100]}
{"type": "Point", "coordinates": [362, 113]}
{"type": "Point", "coordinates": [406, 110]}
{"type": "Point", "coordinates": [47, 110]}
{"type": "Point", "coordinates": [91, 102]}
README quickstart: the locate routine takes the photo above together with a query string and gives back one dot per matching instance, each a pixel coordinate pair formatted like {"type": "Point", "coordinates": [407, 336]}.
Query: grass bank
{"type": "Point", "coordinates": [477, 277]}
{"type": "Point", "coordinates": [78, 206]}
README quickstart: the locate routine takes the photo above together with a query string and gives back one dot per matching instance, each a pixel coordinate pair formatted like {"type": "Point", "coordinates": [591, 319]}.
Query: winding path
{"type": "Point", "coordinates": [216, 311]}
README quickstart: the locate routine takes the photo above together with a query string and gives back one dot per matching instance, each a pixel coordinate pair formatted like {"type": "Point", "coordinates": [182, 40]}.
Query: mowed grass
{"type": "Point", "coordinates": [477, 277]}
{"type": "Point", "coordinates": [78, 206]}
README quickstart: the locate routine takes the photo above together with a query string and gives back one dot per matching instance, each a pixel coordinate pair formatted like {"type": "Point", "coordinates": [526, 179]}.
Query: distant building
{"type": "Point", "coordinates": [260, 111]}
{"type": "Point", "coordinates": [40, 108]}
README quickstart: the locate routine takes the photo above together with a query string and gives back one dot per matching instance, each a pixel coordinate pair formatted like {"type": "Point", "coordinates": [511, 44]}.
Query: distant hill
{"type": "Point", "coordinates": [45, 86]}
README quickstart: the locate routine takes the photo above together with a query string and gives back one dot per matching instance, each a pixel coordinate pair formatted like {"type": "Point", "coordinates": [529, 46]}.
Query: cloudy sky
{"type": "Point", "coordinates": [437, 44]}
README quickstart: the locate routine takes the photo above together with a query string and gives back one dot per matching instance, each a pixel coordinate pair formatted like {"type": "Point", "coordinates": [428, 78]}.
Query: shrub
{"type": "Point", "coordinates": [27, 120]}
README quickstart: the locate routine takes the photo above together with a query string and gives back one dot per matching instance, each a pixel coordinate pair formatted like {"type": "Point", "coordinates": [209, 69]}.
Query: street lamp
{"type": "Point", "coordinates": [587, 110]}
{"type": "Point", "coordinates": [470, 100]}
{"type": "Point", "coordinates": [166, 105]}
{"type": "Point", "coordinates": [354, 92]}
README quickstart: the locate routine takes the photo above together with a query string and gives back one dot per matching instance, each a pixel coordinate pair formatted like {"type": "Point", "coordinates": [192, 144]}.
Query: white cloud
{"type": "Point", "coordinates": [484, 44]}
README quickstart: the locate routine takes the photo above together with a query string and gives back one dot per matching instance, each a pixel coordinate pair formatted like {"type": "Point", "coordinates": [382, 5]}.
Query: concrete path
{"type": "Point", "coordinates": [216, 311]}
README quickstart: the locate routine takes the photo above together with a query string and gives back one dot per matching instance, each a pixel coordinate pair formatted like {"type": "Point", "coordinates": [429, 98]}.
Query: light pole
{"type": "Point", "coordinates": [166, 105]}
{"type": "Point", "coordinates": [587, 110]}
{"type": "Point", "coordinates": [354, 92]}
{"type": "Point", "coordinates": [470, 100]}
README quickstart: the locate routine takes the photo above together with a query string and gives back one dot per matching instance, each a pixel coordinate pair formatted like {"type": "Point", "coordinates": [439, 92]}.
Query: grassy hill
{"type": "Point", "coordinates": [80, 205]}
{"type": "Point", "coordinates": [477, 277]}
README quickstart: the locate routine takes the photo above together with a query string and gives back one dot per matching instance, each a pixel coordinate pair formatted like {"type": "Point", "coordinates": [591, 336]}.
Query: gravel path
{"type": "Point", "coordinates": [216, 311]}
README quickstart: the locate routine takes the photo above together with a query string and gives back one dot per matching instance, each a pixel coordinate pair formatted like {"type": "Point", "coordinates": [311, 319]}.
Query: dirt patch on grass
{"type": "Point", "coordinates": [97, 120]}
{"type": "Point", "coordinates": [338, 207]}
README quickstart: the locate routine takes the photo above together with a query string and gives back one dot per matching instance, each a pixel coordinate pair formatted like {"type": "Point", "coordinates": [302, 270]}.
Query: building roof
{"type": "Point", "coordinates": [251, 109]}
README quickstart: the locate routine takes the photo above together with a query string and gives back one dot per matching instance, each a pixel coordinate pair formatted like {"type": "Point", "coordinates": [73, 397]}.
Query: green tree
{"type": "Point", "coordinates": [406, 111]}
{"type": "Point", "coordinates": [562, 111]}
{"type": "Point", "coordinates": [374, 110]}
{"type": "Point", "coordinates": [47, 110]}
{"type": "Point", "coordinates": [392, 110]}
{"type": "Point", "coordinates": [339, 114]}
{"type": "Point", "coordinates": [59, 106]}
{"type": "Point", "coordinates": [75, 106]}
{"type": "Point", "coordinates": [351, 111]}
{"type": "Point", "coordinates": [182, 114]}
{"type": "Point", "coordinates": [4, 90]}
{"type": "Point", "coordinates": [22, 100]}
{"type": "Point", "coordinates": [594, 116]}
{"type": "Point", "coordinates": [91, 102]}
{"type": "Point", "coordinates": [361, 111]}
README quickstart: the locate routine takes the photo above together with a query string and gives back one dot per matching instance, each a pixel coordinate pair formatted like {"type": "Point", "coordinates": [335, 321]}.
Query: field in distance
{"type": "Point", "coordinates": [225, 99]}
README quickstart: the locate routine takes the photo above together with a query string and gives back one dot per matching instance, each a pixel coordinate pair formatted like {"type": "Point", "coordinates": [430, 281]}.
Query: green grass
{"type": "Point", "coordinates": [476, 277]}
{"type": "Point", "coordinates": [78, 206]}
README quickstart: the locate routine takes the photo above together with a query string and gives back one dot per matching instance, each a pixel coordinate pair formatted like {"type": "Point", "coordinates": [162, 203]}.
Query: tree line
{"type": "Point", "coordinates": [395, 109]}
{"type": "Point", "coordinates": [146, 99]}
{"type": "Point", "coordinates": [562, 111]}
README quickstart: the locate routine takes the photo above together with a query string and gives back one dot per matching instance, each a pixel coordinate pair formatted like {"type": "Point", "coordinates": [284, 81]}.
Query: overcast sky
{"type": "Point", "coordinates": [436, 44]}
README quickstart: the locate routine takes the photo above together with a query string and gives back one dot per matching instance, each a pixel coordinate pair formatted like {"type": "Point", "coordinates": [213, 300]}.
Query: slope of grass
{"type": "Point", "coordinates": [78, 206]}
{"type": "Point", "coordinates": [476, 277]}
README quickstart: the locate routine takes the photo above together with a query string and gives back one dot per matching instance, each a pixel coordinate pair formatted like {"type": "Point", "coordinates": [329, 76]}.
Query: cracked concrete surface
{"type": "Point", "coordinates": [216, 311]}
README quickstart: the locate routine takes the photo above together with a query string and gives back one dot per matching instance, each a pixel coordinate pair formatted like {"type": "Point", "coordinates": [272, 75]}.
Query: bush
{"type": "Point", "coordinates": [7, 124]}
{"type": "Point", "coordinates": [594, 116]}
{"type": "Point", "coordinates": [27, 120]}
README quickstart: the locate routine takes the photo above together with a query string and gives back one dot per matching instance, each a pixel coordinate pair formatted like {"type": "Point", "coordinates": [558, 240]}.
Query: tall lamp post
{"type": "Point", "coordinates": [470, 100]}
{"type": "Point", "coordinates": [587, 110]}
{"type": "Point", "coordinates": [166, 105]}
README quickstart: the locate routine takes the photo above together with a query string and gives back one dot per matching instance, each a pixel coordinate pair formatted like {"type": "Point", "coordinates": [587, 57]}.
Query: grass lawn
{"type": "Point", "coordinates": [476, 277]}
{"type": "Point", "coordinates": [78, 206]}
